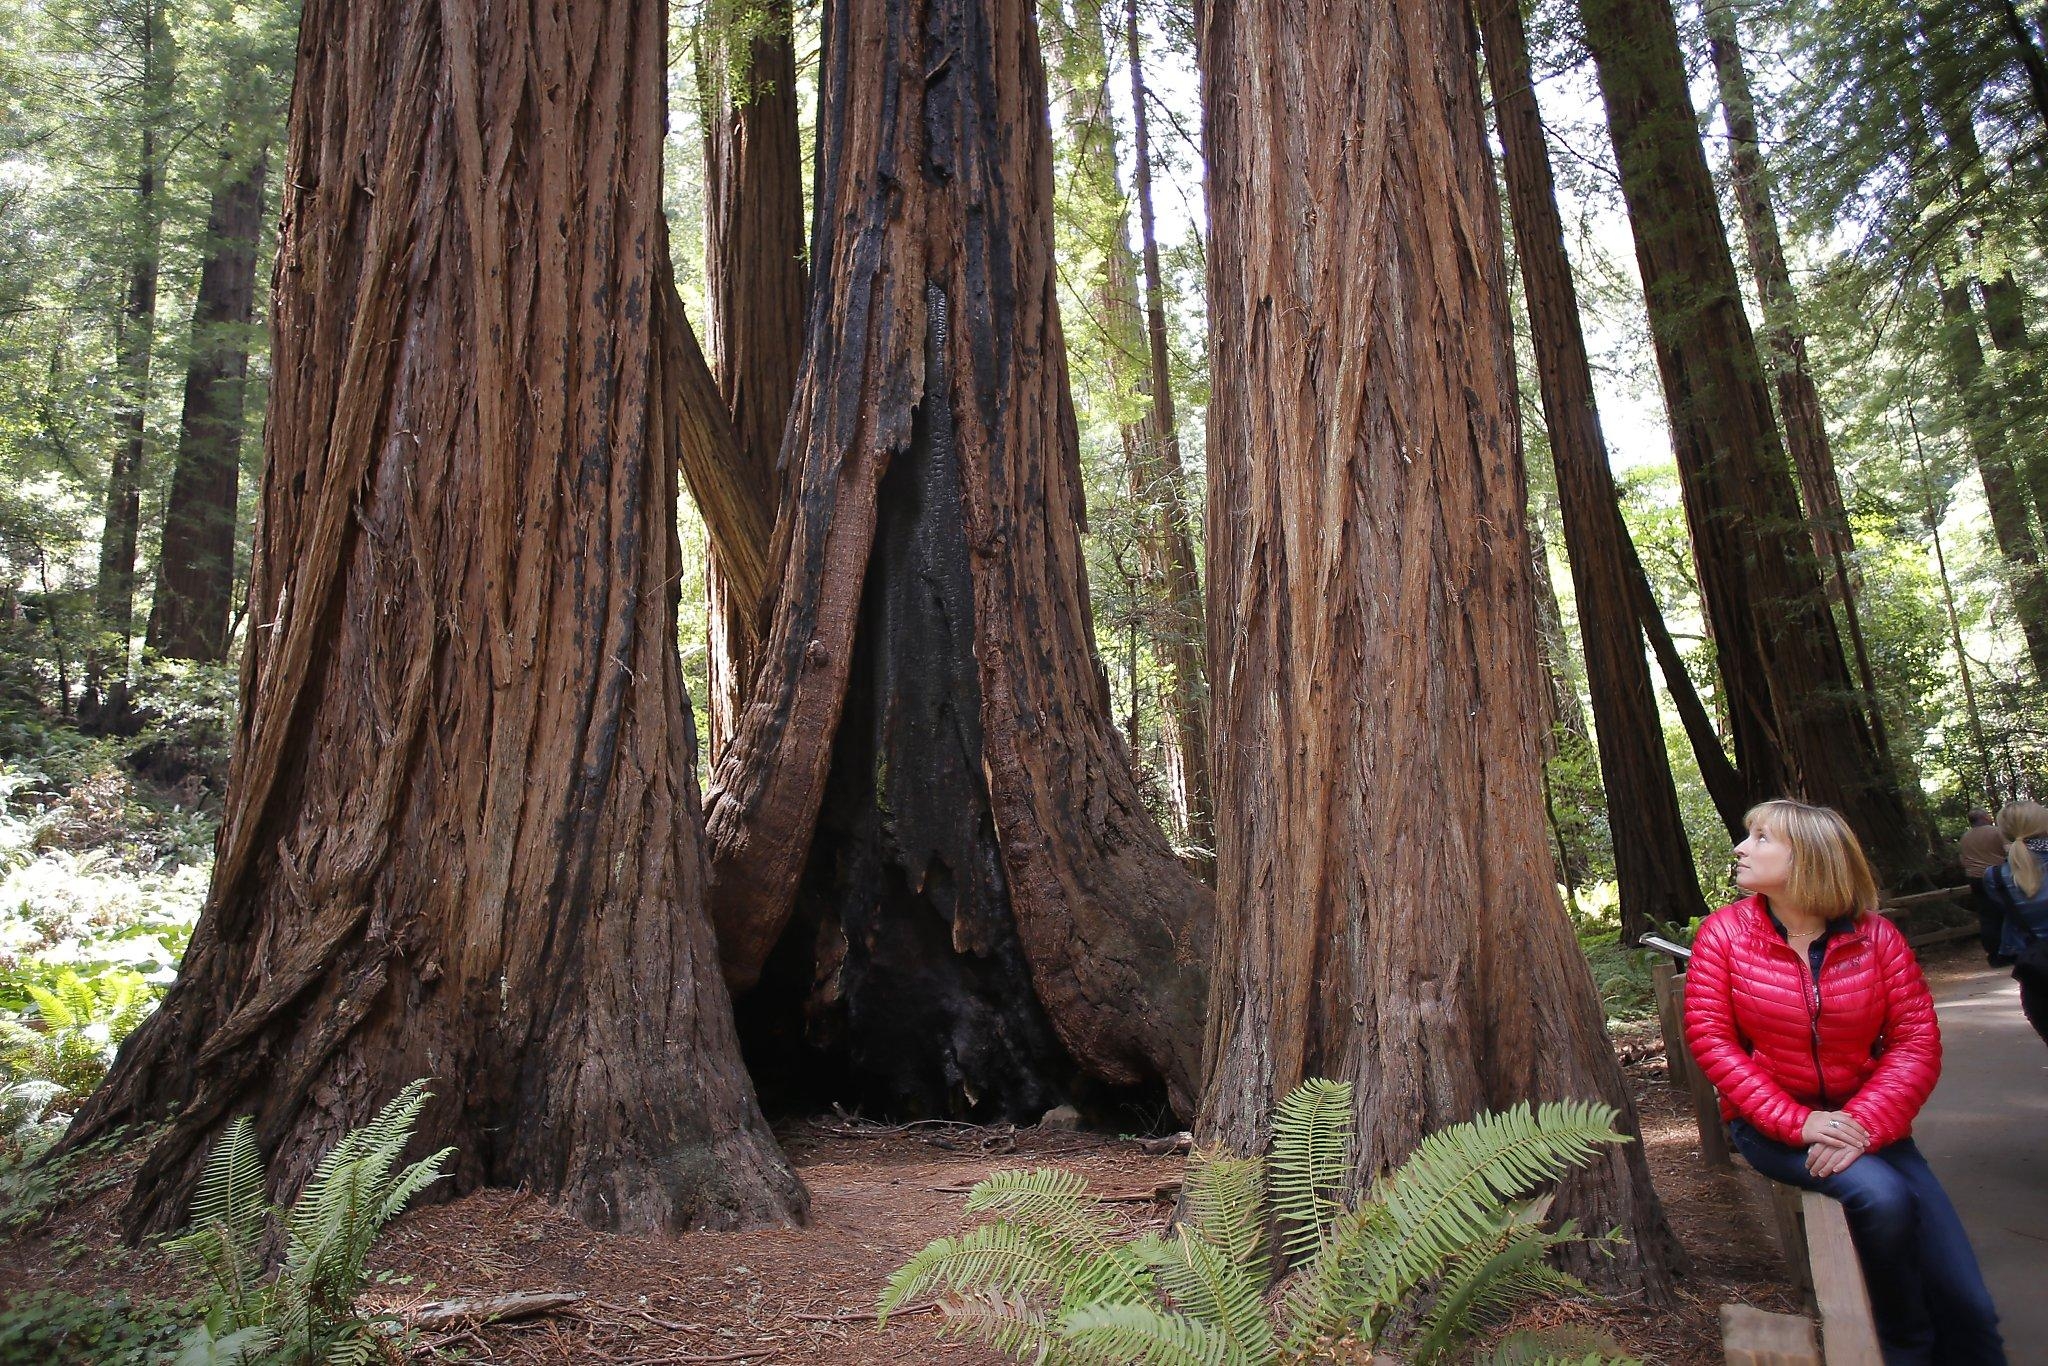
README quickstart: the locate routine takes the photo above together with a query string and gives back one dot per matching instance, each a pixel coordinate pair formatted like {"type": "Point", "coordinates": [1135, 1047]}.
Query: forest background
{"type": "Point", "coordinates": [1886, 168]}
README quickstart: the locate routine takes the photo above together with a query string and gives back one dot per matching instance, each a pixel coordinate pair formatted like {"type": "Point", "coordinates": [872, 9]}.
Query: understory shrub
{"type": "Point", "coordinates": [303, 1312]}
{"type": "Point", "coordinates": [1446, 1245]}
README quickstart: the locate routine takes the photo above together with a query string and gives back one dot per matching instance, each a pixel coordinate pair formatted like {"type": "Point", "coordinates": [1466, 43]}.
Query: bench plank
{"type": "Point", "coordinates": [1847, 1333]}
{"type": "Point", "coordinates": [1755, 1337]}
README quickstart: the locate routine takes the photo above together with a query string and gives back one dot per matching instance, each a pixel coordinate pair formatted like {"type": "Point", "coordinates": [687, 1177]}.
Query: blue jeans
{"type": "Point", "coordinates": [1926, 1293]}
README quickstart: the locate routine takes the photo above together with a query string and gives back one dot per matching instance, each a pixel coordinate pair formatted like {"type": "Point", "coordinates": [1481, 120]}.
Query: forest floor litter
{"type": "Point", "coordinates": [878, 1194]}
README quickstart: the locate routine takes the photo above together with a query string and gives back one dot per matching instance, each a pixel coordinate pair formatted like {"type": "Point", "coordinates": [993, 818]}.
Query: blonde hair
{"type": "Point", "coordinates": [1830, 877]}
{"type": "Point", "coordinates": [2020, 822]}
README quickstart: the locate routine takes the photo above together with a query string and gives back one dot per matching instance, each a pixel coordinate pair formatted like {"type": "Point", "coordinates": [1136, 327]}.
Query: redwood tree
{"type": "Point", "coordinates": [1386, 913]}
{"type": "Point", "coordinates": [1136, 354]}
{"type": "Point", "coordinates": [195, 579]}
{"type": "Point", "coordinates": [106, 702]}
{"type": "Point", "coordinates": [1652, 856]}
{"type": "Point", "coordinates": [755, 280]}
{"type": "Point", "coordinates": [1792, 708]}
{"type": "Point", "coordinates": [462, 836]}
{"type": "Point", "coordinates": [1806, 433]}
{"type": "Point", "coordinates": [925, 817]}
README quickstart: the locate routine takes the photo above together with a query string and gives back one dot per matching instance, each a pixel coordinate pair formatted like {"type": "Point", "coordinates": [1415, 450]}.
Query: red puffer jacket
{"type": "Point", "coordinates": [1778, 1046]}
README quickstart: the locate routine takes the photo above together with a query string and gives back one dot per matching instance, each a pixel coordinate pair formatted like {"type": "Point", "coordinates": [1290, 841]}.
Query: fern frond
{"type": "Point", "coordinates": [1226, 1200]}
{"type": "Point", "coordinates": [1448, 1194]}
{"type": "Point", "coordinates": [1311, 1162]}
{"type": "Point", "coordinates": [1140, 1335]}
{"type": "Point", "coordinates": [1051, 1199]}
{"type": "Point", "coordinates": [52, 1009]}
{"type": "Point", "coordinates": [1484, 1283]}
{"type": "Point", "coordinates": [230, 1190]}
{"type": "Point", "coordinates": [1001, 1257]}
{"type": "Point", "coordinates": [1008, 1323]}
{"type": "Point", "coordinates": [1202, 1283]}
{"type": "Point", "coordinates": [229, 1212]}
{"type": "Point", "coordinates": [410, 1183]}
{"type": "Point", "coordinates": [1332, 1292]}
{"type": "Point", "coordinates": [355, 1345]}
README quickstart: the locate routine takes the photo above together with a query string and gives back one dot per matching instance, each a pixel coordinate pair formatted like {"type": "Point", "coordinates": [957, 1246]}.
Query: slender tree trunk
{"type": "Point", "coordinates": [1187, 702]}
{"type": "Point", "coordinates": [756, 280]}
{"type": "Point", "coordinates": [1567, 710]}
{"type": "Point", "coordinates": [1948, 602]}
{"type": "Point", "coordinates": [1806, 433]}
{"type": "Point", "coordinates": [1791, 704]}
{"type": "Point", "coordinates": [1724, 785]}
{"type": "Point", "coordinates": [462, 835]}
{"type": "Point", "coordinates": [114, 593]}
{"type": "Point", "coordinates": [1151, 451]}
{"type": "Point", "coordinates": [1386, 911]}
{"type": "Point", "coordinates": [195, 579]}
{"type": "Point", "coordinates": [1984, 432]}
{"type": "Point", "coordinates": [1652, 856]}
{"type": "Point", "coordinates": [931, 731]}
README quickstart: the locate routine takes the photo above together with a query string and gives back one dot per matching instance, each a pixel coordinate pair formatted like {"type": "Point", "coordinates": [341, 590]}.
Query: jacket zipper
{"type": "Point", "coordinates": [1813, 1007]}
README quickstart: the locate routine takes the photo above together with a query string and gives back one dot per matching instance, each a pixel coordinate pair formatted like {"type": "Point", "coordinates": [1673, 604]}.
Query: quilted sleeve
{"type": "Point", "coordinates": [1905, 1075]}
{"type": "Point", "coordinates": [1711, 1035]}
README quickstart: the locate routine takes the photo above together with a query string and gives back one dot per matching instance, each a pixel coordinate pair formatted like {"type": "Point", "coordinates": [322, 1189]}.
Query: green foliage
{"type": "Point", "coordinates": [303, 1313]}
{"type": "Point", "coordinates": [1446, 1244]}
{"type": "Point", "coordinates": [70, 1035]}
{"type": "Point", "coordinates": [34, 1183]}
{"type": "Point", "coordinates": [58, 1328]}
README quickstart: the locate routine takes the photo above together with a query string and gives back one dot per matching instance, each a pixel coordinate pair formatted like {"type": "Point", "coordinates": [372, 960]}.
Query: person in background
{"type": "Point", "coordinates": [1808, 1012]}
{"type": "Point", "coordinates": [1982, 849]}
{"type": "Point", "coordinates": [2019, 891]}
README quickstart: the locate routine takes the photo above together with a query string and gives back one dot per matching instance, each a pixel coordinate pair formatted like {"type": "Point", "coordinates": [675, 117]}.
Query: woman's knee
{"type": "Point", "coordinates": [1877, 1199]}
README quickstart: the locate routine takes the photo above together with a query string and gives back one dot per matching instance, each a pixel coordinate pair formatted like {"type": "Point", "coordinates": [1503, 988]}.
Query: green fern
{"type": "Point", "coordinates": [1226, 1208]}
{"type": "Point", "coordinates": [1450, 1195]}
{"type": "Point", "coordinates": [1444, 1246]}
{"type": "Point", "coordinates": [1142, 1335]}
{"type": "Point", "coordinates": [1201, 1283]}
{"type": "Point", "coordinates": [1311, 1162]}
{"type": "Point", "coordinates": [302, 1313]}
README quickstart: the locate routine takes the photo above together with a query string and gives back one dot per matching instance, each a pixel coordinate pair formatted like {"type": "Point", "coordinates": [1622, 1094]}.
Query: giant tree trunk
{"type": "Point", "coordinates": [1386, 912]}
{"type": "Point", "coordinates": [462, 836]}
{"type": "Point", "coordinates": [1806, 433]}
{"type": "Point", "coordinates": [1652, 856]}
{"type": "Point", "coordinates": [931, 642]}
{"type": "Point", "coordinates": [196, 566]}
{"type": "Point", "coordinates": [755, 277]}
{"type": "Point", "coordinates": [1791, 704]}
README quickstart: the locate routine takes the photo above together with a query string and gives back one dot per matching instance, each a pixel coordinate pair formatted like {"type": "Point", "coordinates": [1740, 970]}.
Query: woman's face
{"type": "Point", "coordinates": [1763, 863]}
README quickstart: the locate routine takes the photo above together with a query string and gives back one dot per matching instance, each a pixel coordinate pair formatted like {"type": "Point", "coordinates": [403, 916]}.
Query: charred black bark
{"type": "Point", "coordinates": [902, 960]}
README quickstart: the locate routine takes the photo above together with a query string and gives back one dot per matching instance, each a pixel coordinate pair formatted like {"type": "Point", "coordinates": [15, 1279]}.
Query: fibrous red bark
{"type": "Point", "coordinates": [935, 345]}
{"type": "Point", "coordinates": [1386, 913]}
{"type": "Point", "coordinates": [462, 836]}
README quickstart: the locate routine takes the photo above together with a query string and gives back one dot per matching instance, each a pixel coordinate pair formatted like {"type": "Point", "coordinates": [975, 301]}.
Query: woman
{"type": "Point", "coordinates": [1808, 1013]}
{"type": "Point", "coordinates": [2018, 890]}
